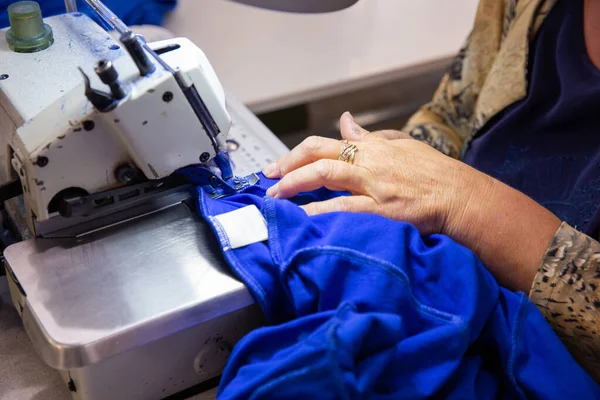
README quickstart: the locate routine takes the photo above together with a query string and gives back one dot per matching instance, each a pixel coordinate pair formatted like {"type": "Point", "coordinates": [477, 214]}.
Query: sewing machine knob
{"type": "Point", "coordinates": [109, 76]}
{"type": "Point", "coordinates": [27, 33]}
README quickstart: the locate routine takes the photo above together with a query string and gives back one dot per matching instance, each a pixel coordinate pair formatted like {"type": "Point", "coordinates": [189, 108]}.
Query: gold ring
{"type": "Point", "coordinates": [347, 152]}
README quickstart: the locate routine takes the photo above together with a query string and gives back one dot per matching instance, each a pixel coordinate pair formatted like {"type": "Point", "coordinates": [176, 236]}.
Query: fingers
{"type": "Point", "coordinates": [348, 204]}
{"type": "Point", "coordinates": [332, 174]}
{"type": "Point", "coordinates": [310, 150]}
{"type": "Point", "coordinates": [315, 148]}
{"type": "Point", "coordinates": [350, 130]}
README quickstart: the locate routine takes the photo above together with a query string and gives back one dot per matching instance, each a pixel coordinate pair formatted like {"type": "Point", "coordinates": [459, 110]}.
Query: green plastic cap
{"type": "Point", "coordinates": [27, 33]}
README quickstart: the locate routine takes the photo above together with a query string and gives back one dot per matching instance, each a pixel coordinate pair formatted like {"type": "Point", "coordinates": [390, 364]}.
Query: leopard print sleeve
{"type": "Point", "coordinates": [449, 119]}
{"type": "Point", "coordinates": [429, 128]}
{"type": "Point", "coordinates": [566, 290]}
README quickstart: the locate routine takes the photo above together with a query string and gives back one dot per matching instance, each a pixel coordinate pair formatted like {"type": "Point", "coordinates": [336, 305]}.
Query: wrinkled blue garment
{"type": "Point", "coordinates": [364, 307]}
{"type": "Point", "coordinates": [132, 12]}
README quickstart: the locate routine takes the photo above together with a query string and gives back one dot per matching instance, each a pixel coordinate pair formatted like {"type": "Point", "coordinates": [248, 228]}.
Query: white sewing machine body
{"type": "Point", "coordinates": [63, 143]}
{"type": "Point", "coordinates": [130, 298]}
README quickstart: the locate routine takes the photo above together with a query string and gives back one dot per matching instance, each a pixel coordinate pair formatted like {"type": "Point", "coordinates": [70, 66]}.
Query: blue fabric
{"type": "Point", "coordinates": [364, 307]}
{"type": "Point", "coordinates": [548, 144]}
{"type": "Point", "coordinates": [132, 12]}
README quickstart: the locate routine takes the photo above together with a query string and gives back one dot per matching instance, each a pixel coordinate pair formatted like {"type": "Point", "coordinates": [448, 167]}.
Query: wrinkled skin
{"type": "Point", "coordinates": [407, 180]}
{"type": "Point", "coordinates": [393, 175]}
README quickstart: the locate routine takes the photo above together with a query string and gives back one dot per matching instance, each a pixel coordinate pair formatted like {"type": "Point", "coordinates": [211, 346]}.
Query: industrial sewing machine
{"type": "Point", "coordinates": [119, 284]}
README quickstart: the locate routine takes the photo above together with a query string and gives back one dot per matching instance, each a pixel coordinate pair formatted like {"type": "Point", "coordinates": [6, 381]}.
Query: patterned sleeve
{"type": "Point", "coordinates": [457, 110]}
{"type": "Point", "coordinates": [429, 127]}
{"type": "Point", "coordinates": [566, 290]}
{"type": "Point", "coordinates": [448, 119]}
{"type": "Point", "coordinates": [436, 122]}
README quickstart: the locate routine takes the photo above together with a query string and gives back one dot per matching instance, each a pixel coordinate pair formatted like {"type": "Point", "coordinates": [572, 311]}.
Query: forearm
{"type": "Point", "coordinates": [507, 230]}
{"type": "Point", "coordinates": [528, 249]}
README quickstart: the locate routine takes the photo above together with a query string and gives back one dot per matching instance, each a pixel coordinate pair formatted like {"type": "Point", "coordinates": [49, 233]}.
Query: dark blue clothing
{"type": "Point", "coordinates": [365, 307]}
{"type": "Point", "coordinates": [132, 12]}
{"type": "Point", "coordinates": [547, 145]}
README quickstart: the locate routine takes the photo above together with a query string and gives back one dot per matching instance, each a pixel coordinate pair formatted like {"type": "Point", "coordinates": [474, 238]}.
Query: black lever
{"type": "Point", "coordinates": [100, 100]}
{"type": "Point", "coordinates": [136, 51]}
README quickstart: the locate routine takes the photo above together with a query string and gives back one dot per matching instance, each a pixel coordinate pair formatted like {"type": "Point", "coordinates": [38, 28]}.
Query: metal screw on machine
{"type": "Point", "coordinates": [204, 157]}
{"type": "Point", "coordinates": [109, 76]}
{"type": "Point", "coordinates": [42, 161]}
{"type": "Point", "coordinates": [167, 97]}
{"type": "Point", "coordinates": [125, 174]}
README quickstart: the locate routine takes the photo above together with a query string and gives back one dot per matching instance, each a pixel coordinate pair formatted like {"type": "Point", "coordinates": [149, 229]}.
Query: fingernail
{"type": "Point", "coordinates": [353, 130]}
{"type": "Point", "coordinates": [269, 170]}
{"type": "Point", "coordinates": [273, 191]}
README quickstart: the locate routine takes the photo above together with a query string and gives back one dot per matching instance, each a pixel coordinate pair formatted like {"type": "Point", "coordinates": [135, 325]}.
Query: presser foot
{"type": "Point", "coordinates": [214, 185]}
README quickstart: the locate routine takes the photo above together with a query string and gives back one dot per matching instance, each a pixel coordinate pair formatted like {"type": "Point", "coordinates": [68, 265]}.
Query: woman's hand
{"type": "Point", "coordinates": [407, 180]}
{"type": "Point", "coordinates": [392, 175]}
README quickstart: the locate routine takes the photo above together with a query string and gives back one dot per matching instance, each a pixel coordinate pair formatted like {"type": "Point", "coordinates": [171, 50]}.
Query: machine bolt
{"type": "Point", "coordinates": [3, 77]}
{"type": "Point", "coordinates": [167, 97]}
{"type": "Point", "coordinates": [125, 173]}
{"type": "Point", "coordinates": [204, 157]}
{"type": "Point", "coordinates": [109, 76]}
{"type": "Point", "coordinates": [88, 125]}
{"type": "Point", "coordinates": [42, 161]}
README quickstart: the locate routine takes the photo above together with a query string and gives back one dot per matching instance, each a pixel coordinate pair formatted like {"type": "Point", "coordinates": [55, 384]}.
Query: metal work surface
{"type": "Point", "coordinates": [89, 299]}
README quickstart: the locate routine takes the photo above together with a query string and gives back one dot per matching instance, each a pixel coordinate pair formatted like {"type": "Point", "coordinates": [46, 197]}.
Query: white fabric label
{"type": "Point", "coordinates": [243, 226]}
